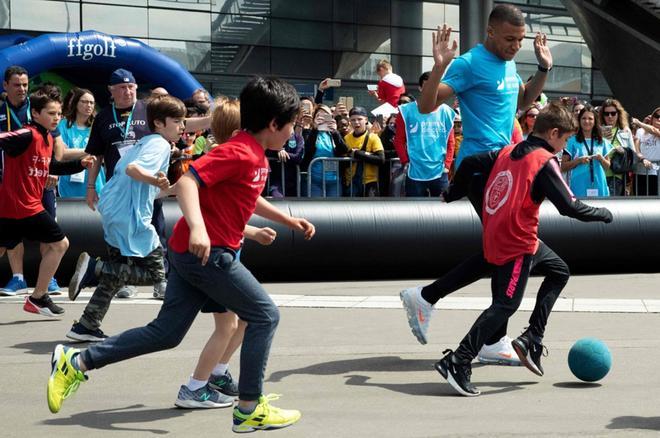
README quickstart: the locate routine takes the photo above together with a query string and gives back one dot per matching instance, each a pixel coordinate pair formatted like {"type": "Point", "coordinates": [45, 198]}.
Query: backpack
{"type": "Point", "coordinates": [621, 163]}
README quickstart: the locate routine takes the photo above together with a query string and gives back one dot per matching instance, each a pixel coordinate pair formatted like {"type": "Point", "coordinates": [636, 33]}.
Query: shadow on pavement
{"type": "Point", "coordinates": [47, 347]}
{"type": "Point", "coordinates": [381, 363]}
{"type": "Point", "coordinates": [440, 388]}
{"type": "Point", "coordinates": [630, 422]}
{"type": "Point", "coordinates": [577, 385]}
{"type": "Point", "coordinates": [116, 419]}
{"type": "Point", "coordinates": [27, 321]}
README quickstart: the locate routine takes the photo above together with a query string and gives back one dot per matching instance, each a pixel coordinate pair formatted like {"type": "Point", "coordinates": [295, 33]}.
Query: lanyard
{"type": "Point", "coordinates": [12, 115]}
{"type": "Point", "coordinates": [590, 151]}
{"type": "Point", "coordinates": [127, 128]}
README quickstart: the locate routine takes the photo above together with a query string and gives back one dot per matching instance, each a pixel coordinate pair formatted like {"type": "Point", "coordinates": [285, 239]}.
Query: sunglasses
{"type": "Point", "coordinates": [657, 116]}
{"type": "Point", "coordinates": [610, 113]}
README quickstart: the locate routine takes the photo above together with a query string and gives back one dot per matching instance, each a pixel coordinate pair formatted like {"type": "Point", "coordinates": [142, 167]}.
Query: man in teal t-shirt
{"type": "Point", "coordinates": [485, 80]}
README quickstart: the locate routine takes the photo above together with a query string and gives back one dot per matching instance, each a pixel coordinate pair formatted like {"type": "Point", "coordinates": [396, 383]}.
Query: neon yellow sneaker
{"type": "Point", "coordinates": [264, 416]}
{"type": "Point", "coordinates": [64, 378]}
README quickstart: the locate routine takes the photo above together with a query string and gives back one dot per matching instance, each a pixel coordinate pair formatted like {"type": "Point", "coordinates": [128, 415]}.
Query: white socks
{"type": "Point", "coordinates": [194, 384]}
{"type": "Point", "coordinates": [19, 277]}
{"type": "Point", "coordinates": [220, 369]}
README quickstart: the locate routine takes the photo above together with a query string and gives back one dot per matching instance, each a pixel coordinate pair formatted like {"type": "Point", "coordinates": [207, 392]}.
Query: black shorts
{"type": "Point", "coordinates": [41, 228]}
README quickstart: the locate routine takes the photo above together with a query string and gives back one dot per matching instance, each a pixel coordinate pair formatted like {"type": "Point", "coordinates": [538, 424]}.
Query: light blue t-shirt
{"type": "Point", "coordinates": [324, 148]}
{"type": "Point", "coordinates": [487, 88]}
{"type": "Point", "coordinates": [75, 186]}
{"type": "Point", "coordinates": [426, 140]}
{"type": "Point", "coordinates": [581, 175]}
{"type": "Point", "coordinates": [126, 205]}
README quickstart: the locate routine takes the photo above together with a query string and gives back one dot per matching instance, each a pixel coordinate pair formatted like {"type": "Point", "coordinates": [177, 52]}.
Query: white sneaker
{"type": "Point", "coordinates": [127, 292]}
{"type": "Point", "coordinates": [418, 311]}
{"type": "Point", "coordinates": [500, 353]}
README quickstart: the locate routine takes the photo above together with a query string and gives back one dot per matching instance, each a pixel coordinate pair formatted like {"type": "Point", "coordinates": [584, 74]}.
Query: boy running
{"type": "Point", "coordinates": [217, 196]}
{"type": "Point", "coordinates": [519, 178]}
{"type": "Point", "coordinates": [28, 160]}
{"type": "Point", "coordinates": [134, 253]}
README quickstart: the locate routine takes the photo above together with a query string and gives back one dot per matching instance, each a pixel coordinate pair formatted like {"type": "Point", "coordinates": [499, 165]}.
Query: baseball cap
{"type": "Point", "coordinates": [358, 111]}
{"type": "Point", "coordinates": [121, 76]}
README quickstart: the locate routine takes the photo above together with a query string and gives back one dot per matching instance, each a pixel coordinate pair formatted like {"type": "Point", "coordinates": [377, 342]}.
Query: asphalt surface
{"type": "Point", "coordinates": [353, 371]}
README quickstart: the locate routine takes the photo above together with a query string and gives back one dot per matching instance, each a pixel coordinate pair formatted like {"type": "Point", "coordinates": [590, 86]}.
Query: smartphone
{"type": "Point", "coordinates": [334, 82]}
{"type": "Point", "coordinates": [372, 87]}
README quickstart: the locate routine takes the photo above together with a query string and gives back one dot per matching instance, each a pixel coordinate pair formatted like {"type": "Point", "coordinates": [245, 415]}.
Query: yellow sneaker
{"type": "Point", "coordinates": [64, 378]}
{"type": "Point", "coordinates": [264, 416]}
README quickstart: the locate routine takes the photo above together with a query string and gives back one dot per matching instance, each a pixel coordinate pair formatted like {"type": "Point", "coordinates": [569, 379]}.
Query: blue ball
{"type": "Point", "coordinates": [589, 359]}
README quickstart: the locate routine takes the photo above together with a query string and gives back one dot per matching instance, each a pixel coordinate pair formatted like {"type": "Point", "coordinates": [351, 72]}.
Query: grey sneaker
{"type": "Point", "coordinates": [203, 398]}
{"type": "Point", "coordinates": [159, 290]}
{"type": "Point", "coordinates": [418, 311]}
{"type": "Point", "coordinates": [127, 292]}
{"type": "Point", "coordinates": [225, 384]}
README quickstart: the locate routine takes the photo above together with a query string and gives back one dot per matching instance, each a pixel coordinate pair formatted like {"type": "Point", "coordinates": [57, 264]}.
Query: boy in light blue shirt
{"type": "Point", "coordinates": [135, 255]}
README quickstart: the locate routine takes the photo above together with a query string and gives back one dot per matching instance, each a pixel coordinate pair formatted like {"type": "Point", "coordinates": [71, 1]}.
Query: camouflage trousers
{"type": "Point", "coordinates": [117, 271]}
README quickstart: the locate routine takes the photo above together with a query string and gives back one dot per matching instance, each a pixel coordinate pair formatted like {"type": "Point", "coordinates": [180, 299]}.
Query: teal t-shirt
{"type": "Point", "coordinates": [591, 175]}
{"type": "Point", "coordinates": [487, 89]}
{"type": "Point", "coordinates": [75, 186]}
{"type": "Point", "coordinates": [126, 205]}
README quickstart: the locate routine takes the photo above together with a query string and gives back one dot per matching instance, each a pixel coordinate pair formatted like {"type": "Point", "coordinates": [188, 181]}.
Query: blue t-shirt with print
{"type": "Point", "coordinates": [75, 186]}
{"type": "Point", "coordinates": [324, 148]}
{"type": "Point", "coordinates": [126, 205]}
{"type": "Point", "coordinates": [581, 177]}
{"type": "Point", "coordinates": [487, 88]}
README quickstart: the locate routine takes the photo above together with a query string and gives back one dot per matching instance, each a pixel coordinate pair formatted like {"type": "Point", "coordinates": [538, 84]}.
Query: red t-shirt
{"type": "Point", "coordinates": [231, 177]}
{"type": "Point", "coordinates": [510, 215]}
{"type": "Point", "coordinates": [25, 175]}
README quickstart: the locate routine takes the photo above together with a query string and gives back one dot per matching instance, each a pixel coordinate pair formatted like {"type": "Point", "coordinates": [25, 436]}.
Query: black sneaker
{"type": "Point", "coordinates": [81, 333]}
{"type": "Point", "coordinates": [43, 306]}
{"type": "Point", "coordinates": [458, 375]}
{"type": "Point", "coordinates": [225, 384]}
{"type": "Point", "coordinates": [83, 276]}
{"type": "Point", "coordinates": [530, 351]}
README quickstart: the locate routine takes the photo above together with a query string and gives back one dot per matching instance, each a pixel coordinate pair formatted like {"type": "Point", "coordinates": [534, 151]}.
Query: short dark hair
{"type": "Point", "coordinates": [555, 115]}
{"type": "Point", "coordinates": [161, 107]}
{"type": "Point", "coordinates": [266, 98]}
{"type": "Point", "coordinates": [424, 77]}
{"type": "Point", "coordinates": [504, 13]}
{"type": "Point", "coordinates": [44, 95]}
{"type": "Point", "coordinates": [14, 70]}
{"type": "Point", "coordinates": [404, 96]}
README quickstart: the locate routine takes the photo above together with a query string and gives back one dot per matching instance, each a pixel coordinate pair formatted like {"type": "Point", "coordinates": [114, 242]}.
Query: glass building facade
{"type": "Point", "coordinates": [222, 42]}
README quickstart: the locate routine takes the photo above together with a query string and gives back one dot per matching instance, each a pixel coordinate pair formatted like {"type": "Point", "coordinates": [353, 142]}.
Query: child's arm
{"type": "Point", "coordinates": [14, 143]}
{"type": "Point", "coordinates": [164, 193]}
{"type": "Point", "coordinates": [187, 195]}
{"type": "Point", "coordinates": [264, 236]}
{"type": "Point", "coordinates": [266, 210]}
{"type": "Point", "coordinates": [70, 167]}
{"type": "Point", "coordinates": [139, 173]}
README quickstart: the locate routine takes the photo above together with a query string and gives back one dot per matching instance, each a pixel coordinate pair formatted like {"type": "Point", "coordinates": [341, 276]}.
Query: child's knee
{"type": "Point", "coordinates": [60, 246]}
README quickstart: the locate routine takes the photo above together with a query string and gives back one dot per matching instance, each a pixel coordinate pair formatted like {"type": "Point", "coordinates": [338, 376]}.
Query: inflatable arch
{"type": "Point", "coordinates": [92, 49]}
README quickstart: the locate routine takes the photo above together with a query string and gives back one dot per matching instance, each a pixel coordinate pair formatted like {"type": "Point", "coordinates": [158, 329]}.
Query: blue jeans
{"type": "Point", "coordinates": [433, 188]}
{"type": "Point", "coordinates": [190, 285]}
{"type": "Point", "coordinates": [330, 188]}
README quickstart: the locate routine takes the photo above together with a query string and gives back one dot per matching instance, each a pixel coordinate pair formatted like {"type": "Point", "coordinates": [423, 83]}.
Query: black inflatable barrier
{"type": "Point", "coordinates": [364, 239]}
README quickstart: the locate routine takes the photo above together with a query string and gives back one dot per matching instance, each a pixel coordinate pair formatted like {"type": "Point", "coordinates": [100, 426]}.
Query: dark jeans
{"type": "Point", "coordinates": [190, 285]}
{"type": "Point", "coordinates": [508, 287]}
{"type": "Point", "coordinates": [432, 188]}
{"type": "Point", "coordinates": [158, 221]}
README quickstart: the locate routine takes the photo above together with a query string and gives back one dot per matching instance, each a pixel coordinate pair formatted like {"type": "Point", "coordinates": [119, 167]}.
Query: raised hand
{"type": "Point", "coordinates": [161, 181]}
{"type": "Point", "coordinates": [542, 51]}
{"type": "Point", "coordinates": [443, 50]}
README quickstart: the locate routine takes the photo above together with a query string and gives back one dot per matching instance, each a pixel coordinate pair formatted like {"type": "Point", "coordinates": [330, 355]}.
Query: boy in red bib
{"type": "Point", "coordinates": [519, 178]}
{"type": "Point", "coordinates": [28, 161]}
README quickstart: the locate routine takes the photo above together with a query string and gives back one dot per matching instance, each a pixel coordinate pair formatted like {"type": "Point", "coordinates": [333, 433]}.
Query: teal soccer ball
{"type": "Point", "coordinates": [589, 359]}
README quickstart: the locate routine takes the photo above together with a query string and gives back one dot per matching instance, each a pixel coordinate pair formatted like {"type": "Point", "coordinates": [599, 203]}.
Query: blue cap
{"type": "Point", "coordinates": [121, 76]}
{"type": "Point", "coordinates": [358, 111]}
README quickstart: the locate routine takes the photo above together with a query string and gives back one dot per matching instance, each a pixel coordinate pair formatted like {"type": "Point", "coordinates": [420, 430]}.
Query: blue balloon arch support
{"type": "Point", "coordinates": [92, 49]}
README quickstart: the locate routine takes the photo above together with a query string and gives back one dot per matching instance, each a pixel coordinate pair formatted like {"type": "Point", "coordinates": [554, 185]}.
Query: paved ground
{"type": "Point", "coordinates": [357, 371]}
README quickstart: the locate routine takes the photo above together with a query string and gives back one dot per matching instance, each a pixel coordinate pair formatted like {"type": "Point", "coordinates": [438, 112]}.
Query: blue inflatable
{"type": "Point", "coordinates": [92, 49]}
